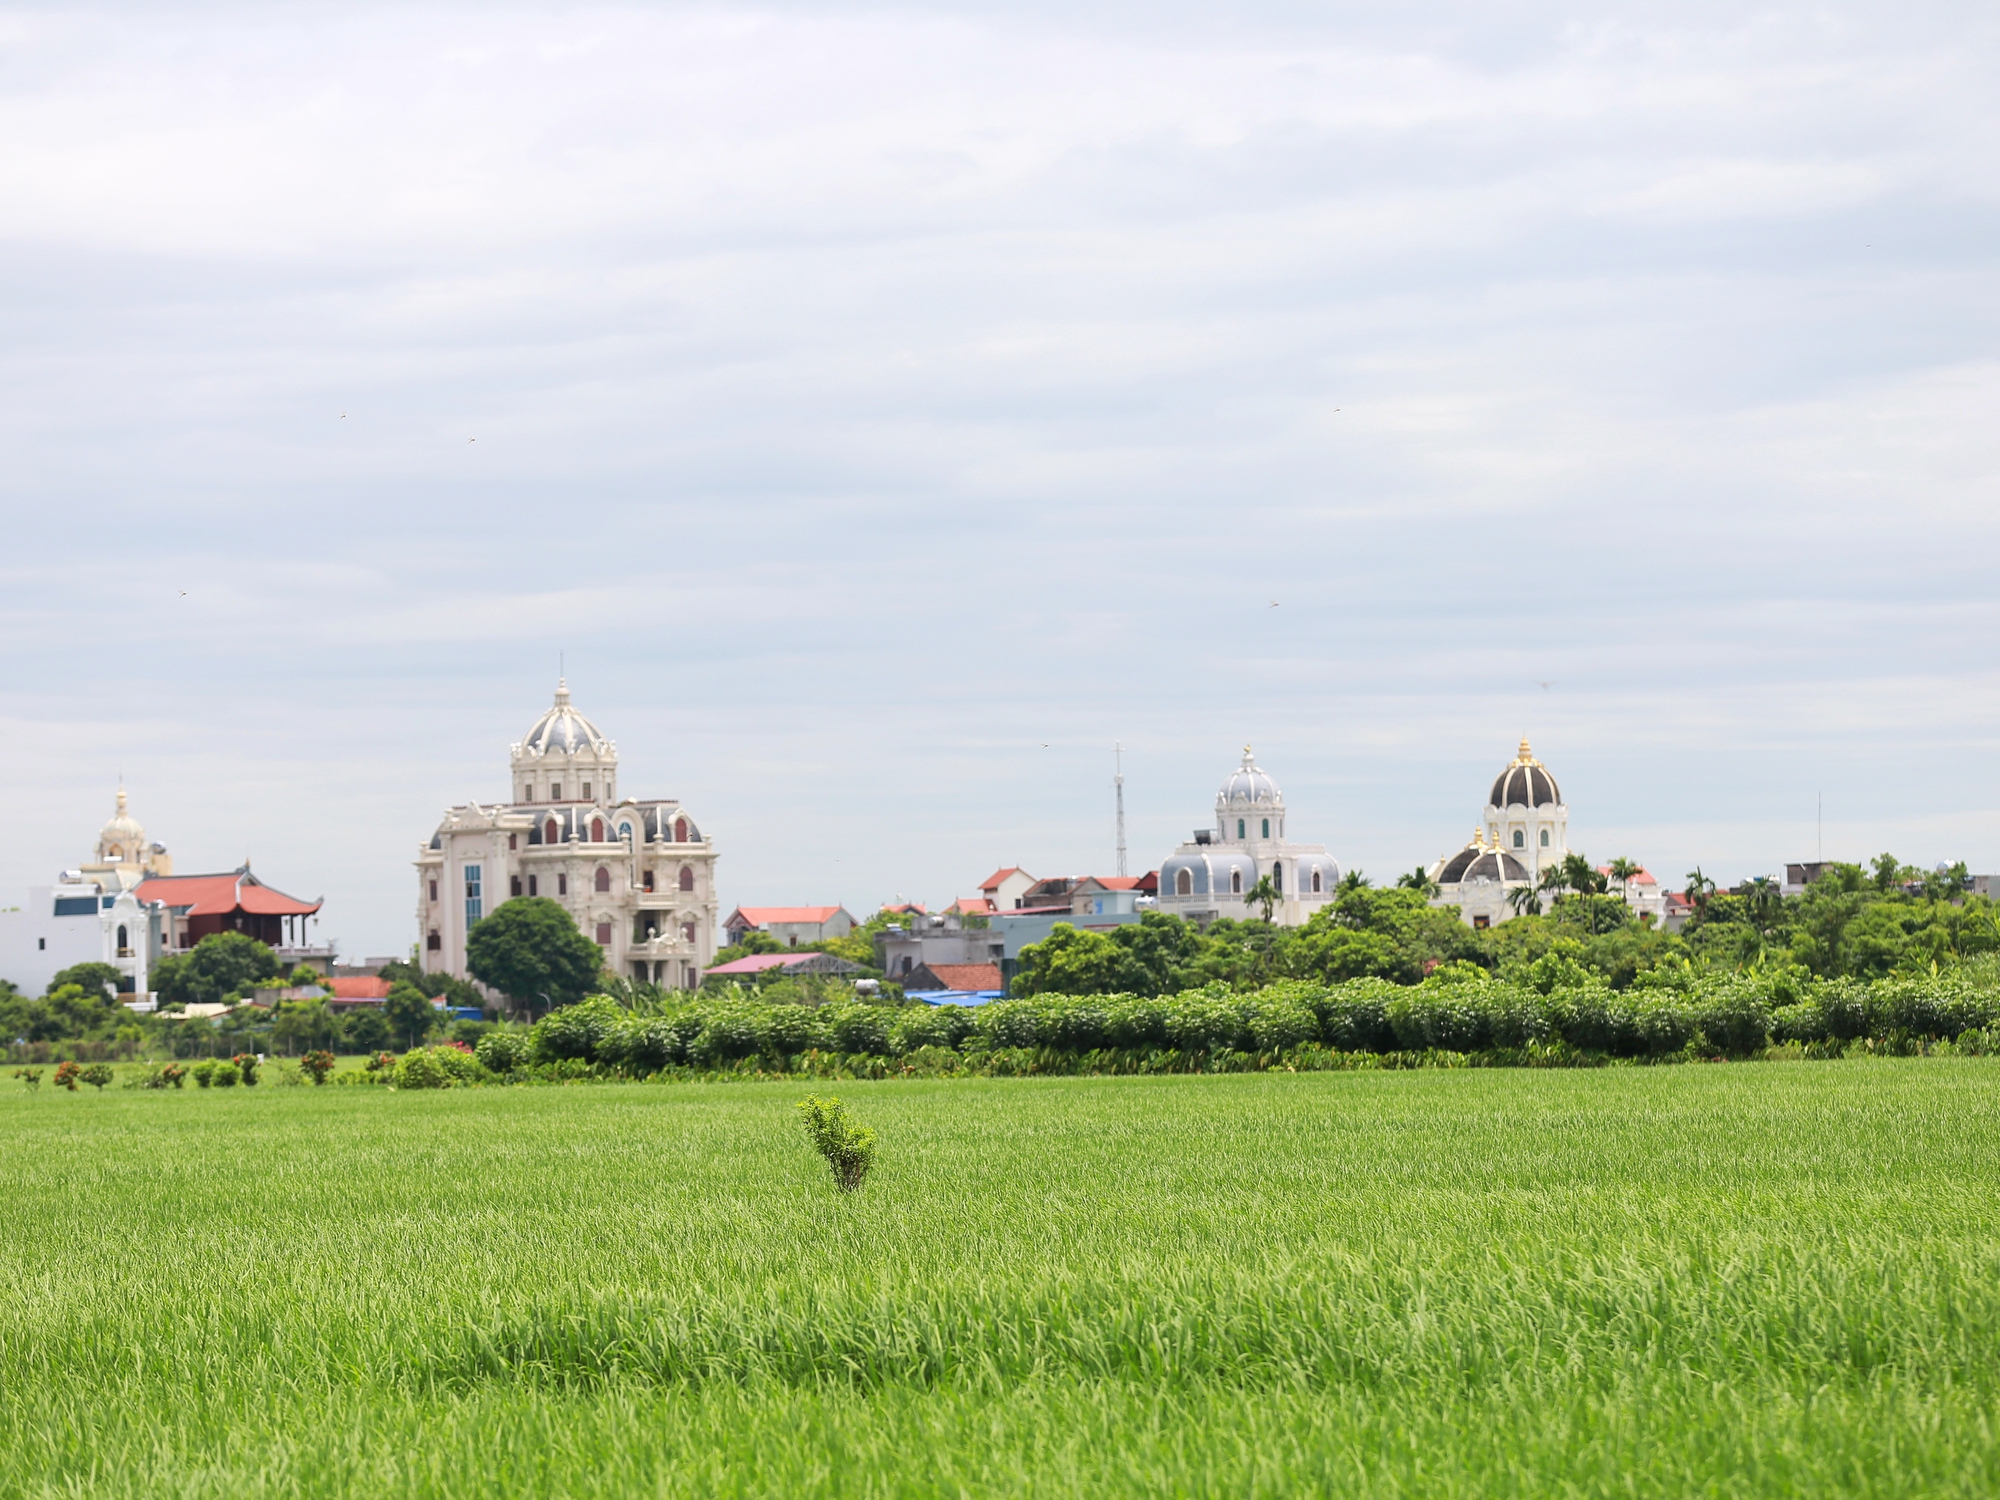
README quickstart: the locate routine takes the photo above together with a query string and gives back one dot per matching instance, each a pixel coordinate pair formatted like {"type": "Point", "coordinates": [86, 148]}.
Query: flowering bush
{"type": "Point", "coordinates": [67, 1074]}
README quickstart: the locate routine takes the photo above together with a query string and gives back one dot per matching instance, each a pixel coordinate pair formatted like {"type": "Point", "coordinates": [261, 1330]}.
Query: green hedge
{"type": "Point", "coordinates": [1560, 1012]}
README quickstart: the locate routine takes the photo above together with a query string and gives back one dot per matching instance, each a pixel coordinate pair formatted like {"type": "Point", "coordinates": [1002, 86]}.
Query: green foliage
{"type": "Point", "coordinates": [409, 1013]}
{"type": "Point", "coordinates": [32, 1077]}
{"type": "Point", "coordinates": [317, 1066]}
{"type": "Point", "coordinates": [97, 1075]}
{"type": "Point", "coordinates": [366, 1029]}
{"type": "Point", "coordinates": [225, 1075]}
{"type": "Point", "coordinates": [444, 1066]}
{"type": "Point", "coordinates": [435, 984]}
{"type": "Point", "coordinates": [246, 1067]}
{"type": "Point", "coordinates": [166, 1076]}
{"type": "Point", "coordinates": [530, 949]}
{"type": "Point", "coordinates": [849, 1148]}
{"type": "Point", "coordinates": [504, 1051]}
{"type": "Point", "coordinates": [222, 966]}
{"type": "Point", "coordinates": [97, 979]}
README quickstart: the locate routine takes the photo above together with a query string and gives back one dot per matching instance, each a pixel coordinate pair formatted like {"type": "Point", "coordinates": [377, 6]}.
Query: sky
{"type": "Point", "coordinates": [879, 412]}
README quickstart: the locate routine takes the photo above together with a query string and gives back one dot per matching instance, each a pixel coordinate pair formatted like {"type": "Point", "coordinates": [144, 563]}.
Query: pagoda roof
{"type": "Point", "coordinates": [218, 895]}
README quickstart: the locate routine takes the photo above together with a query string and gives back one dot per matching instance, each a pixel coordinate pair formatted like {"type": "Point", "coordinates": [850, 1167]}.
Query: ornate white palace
{"type": "Point", "coordinates": [1209, 876]}
{"type": "Point", "coordinates": [1523, 831]}
{"type": "Point", "coordinates": [638, 876]}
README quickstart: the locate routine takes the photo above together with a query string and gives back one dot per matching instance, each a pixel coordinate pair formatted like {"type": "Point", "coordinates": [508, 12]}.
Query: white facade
{"type": "Point", "coordinates": [92, 916]}
{"type": "Point", "coordinates": [637, 876]}
{"type": "Point", "coordinates": [1209, 876]}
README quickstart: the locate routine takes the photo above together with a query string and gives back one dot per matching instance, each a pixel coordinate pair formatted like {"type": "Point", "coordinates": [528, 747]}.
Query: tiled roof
{"type": "Point", "coordinates": [217, 895]}
{"type": "Point", "coordinates": [999, 875]}
{"type": "Point", "coordinates": [763, 916]}
{"type": "Point", "coordinates": [968, 976]}
{"type": "Point", "coordinates": [971, 906]}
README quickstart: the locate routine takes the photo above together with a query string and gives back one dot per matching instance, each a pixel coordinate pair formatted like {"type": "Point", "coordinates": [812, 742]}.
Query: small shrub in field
{"type": "Point", "coordinates": [66, 1075]}
{"type": "Point", "coordinates": [227, 1075]}
{"type": "Point", "coordinates": [32, 1077]}
{"type": "Point", "coordinates": [504, 1051]}
{"type": "Point", "coordinates": [246, 1065]}
{"type": "Point", "coordinates": [204, 1074]}
{"type": "Point", "coordinates": [849, 1148]}
{"type": "Point", "coordinates": [97, 1075]}
{"type": "Point", "coordinates": [316, 1065]}
{"type": "Point", "coordinates": [167, 1076]}
{"type": "Point", "coordinates": [421, 1069]}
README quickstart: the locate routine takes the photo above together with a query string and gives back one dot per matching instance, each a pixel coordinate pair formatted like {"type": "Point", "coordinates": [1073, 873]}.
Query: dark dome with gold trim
{"type": "Point", "coordinates": [1525, 782]}
{"type": "Point", "coordinates": [1480, 861]}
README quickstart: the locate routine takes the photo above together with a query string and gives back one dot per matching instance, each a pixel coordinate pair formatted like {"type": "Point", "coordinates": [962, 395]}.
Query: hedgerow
{"type": "Point", "coordinates": [1561, 1015]}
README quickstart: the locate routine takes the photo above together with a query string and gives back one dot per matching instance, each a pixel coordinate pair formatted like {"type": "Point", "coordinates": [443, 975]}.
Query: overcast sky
{"type": "Point", "coordinates": [884, 410]}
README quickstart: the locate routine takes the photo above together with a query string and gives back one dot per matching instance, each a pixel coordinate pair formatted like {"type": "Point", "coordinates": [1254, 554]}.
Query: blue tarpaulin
{"type": "Point", "coordinates": [955, 997]}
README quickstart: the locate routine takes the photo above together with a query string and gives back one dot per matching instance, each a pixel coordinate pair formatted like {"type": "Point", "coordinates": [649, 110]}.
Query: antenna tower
{"type": "Point", "coordinates": [1118, 781]}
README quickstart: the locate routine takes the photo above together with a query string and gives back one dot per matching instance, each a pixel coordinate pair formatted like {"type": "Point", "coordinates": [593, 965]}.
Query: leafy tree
{"type": "Point", "coordinates": [366, 1030]}
{"type": "Point", "coordinates": [1419, 880]}
{"type": "Point", "coordinates": [219, 967]}
{"type": "Point", "coordinates": [304, 1024]}
{"type": "Point", "coordinates": [434, 983]}
{"type": "Point", "coordinates": [409, 1014]}
{"type": "Point", "coordinates": [91, 978]}
{"type": "Point", "coordinates": [1623, 871]}
{"type": "Point", "coordinates": [530, 949]}
{"type": "Point", "coordinates": [1353, 880]}
{"type": "Point", "coordinates": [97, 1075]}
{"type": "Point", "coordinates": [754, 942]}
{"type": "Point", "coordinates": [1070, 962]}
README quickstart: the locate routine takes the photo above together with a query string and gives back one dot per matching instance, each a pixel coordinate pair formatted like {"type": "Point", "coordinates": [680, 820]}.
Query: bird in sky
{"type": "Point", "coordinates": [1547, 685]}
{"type": "Point", "coordinates": [184, 593]}
{"type": "Point", "coordinates": [1274, 604]}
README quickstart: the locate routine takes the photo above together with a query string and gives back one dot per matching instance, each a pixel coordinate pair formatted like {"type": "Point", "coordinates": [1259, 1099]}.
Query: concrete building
{"type": "Point", "coordinates": [638, 876]}
{"type": "Point", "coordinates": [1209, 876]}
{"type": "Point", "coordinates": [901, 949]}
{"type": "Point", "coordinates": [790, 925]}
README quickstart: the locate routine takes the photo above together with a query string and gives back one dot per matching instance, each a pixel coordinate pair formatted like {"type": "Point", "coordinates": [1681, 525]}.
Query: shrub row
{"type": "Point", "coordinates": [1459, 1011]}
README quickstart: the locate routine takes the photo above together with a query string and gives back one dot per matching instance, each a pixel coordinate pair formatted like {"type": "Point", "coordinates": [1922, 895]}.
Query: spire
{"type": "Point", "coordinates": [562, 698]}
{"type": "Point", "coordinates": [121, 796]}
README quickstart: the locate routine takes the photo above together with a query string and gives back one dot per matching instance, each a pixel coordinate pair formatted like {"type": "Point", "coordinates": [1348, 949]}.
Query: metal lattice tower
{"type": "Point", "coordinates": [1118, 781]}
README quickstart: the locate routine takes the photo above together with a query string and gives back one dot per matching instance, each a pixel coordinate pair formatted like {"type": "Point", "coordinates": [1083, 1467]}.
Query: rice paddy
{"type": "Point", "coordinates": [1733, 1280]}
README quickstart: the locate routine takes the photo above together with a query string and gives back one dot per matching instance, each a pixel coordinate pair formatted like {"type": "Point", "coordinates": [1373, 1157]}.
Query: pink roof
{"type": "Point", "coordinates": [1118, 882]}
{"type": "Point", "coordinates": [763, 916]}
{"type": "Point", "coordinates": [364, 987]}
{"type": "Point", "coordinates": [992, 881]}
{"type": "Point", "coordinates": [972, 906]}
{"type": "Point", "coordinates": [756, 963]}
{"type": "Point", "coordinates": [218, 895]}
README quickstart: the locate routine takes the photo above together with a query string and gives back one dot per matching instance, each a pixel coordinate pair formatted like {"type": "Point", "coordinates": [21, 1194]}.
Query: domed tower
{"type": "Point", "coordinates": [1212, 875]}
{"type": "Point", "coordinates": [563, 758]}
{"type": "Point", "coordinates": [1249, 805]}
{"type": "Point", "coordinates": [1525, 814]}
{"type": "Point", "coordinates": [123, 858]}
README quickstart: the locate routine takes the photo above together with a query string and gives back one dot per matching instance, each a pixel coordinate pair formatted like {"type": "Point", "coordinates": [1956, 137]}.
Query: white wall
{"type": "Point", "coordinates": [35, 943]}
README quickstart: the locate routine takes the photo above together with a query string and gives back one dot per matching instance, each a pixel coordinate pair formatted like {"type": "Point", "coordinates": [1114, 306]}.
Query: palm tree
{"type": "Point", "coordinates": [1766, 900]}
{"type": "Point", "coordinates": [1353, 880]}
{"type": "Point", "coordinates": [1525, 898]}
{"type": "Point", "coordinates": [1622, 870]}
{"type": "Point", "coordinates": [1263, 894]}
{"type": "Point", "coordinates": [1699, 888]}
{"type": "Point", "coordinates": [1418, 880]}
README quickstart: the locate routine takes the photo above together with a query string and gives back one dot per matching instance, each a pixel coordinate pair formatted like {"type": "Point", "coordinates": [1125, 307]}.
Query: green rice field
{"type": "Point", "coordinates": [1749, 1279]}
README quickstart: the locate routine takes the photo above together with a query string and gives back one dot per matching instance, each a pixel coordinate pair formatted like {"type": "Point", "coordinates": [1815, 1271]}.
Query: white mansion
{"type": "Point", "coordinates": [1523, 830]}
{"type": "Point", "coordinates": [1208, 876]}
{"type": "Point", "coordinates": [638, 876]}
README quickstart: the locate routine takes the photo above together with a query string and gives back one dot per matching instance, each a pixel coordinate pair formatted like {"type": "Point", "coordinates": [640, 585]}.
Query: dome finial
{"type": "Point", "coordinates": [121, 796]}
{"type": "Point", "coordinates": [1249, 760]}
{"type": "Point", "coordinates": [562, 693]}
{"type": "Point", "coordinates": [1526, 757]}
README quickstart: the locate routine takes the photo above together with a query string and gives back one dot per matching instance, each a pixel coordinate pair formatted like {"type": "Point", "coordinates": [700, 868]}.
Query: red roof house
{"type": "Point", "coordinates": [203, 905]}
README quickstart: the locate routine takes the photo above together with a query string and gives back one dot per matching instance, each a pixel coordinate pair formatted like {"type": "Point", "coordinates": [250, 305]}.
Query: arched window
{"type": "Point", "coordinates": [1236, 882]}
{"type": "Point", "coordinates": [1520, 839]}
{"type": "Point", "coordinates": [1278, 876]}
{"type": "Point", "coordinates": [551, 832]}
{"type": "Point", "coordinates": [597, 830]}
{"type": "Point", "coordinates": [687, 877]}
{"type": "Point", "coordinates": [1267, 828]}
{"type": "Point", "coordinates": [433, 942]}
{"type": "Point", "coordinates": [1545, 838]}
{"type": "Point", "coordinates": [562, 885]}
{"type": "Point", "coordinates": [604, 934]}
{"type": "Point", "coordinates": [1183, 882]}
{"type": "Point", "coordinates": [687, 931]}
{"type": "Point", "coordinates": [680, 830]}
{"type": "Point", "coordinates": [603, 878]}
{"type": "Point", "coordinates": [625, 832]}
{"type": "Point", "coordinates": [1239, 828]}
{"type": "Point", "coordinates": [646, 880]}
{"type": "Point", "coordinates": [124, 941]}
{"type": "Point", "coordinates": [1317, 888]}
